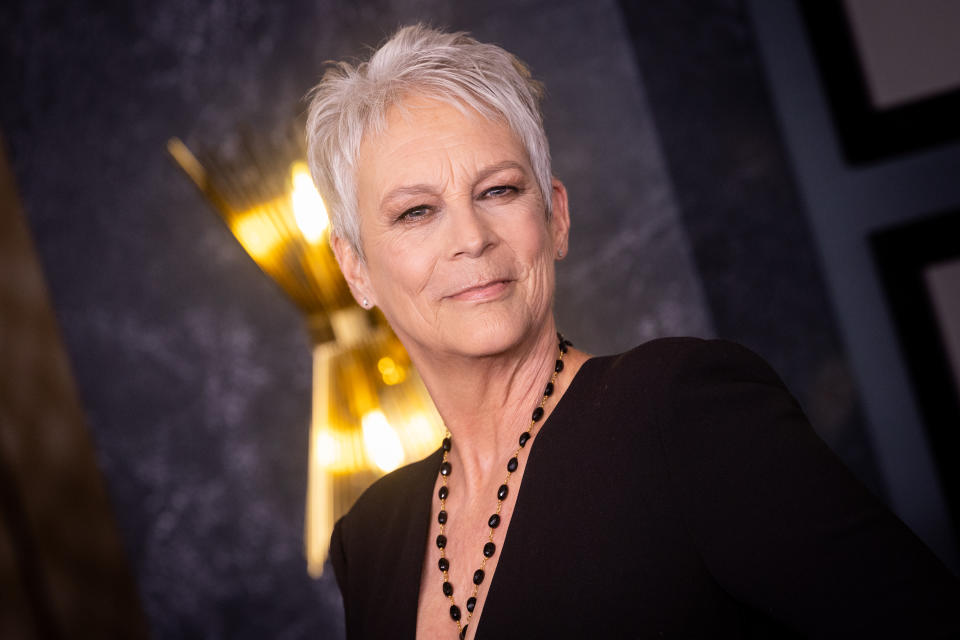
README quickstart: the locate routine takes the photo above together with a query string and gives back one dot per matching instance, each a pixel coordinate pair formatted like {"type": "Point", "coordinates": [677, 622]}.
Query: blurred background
{"type": "Point", "coordinates": [769, 171]}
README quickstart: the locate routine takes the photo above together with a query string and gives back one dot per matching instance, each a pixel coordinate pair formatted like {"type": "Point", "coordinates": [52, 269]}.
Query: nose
{"type": "Point", "coordinates": [470, 231]}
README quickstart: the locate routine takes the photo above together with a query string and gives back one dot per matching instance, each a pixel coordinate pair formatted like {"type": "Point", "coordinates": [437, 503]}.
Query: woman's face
{"type": "Point", "coordinates": [459, 253]}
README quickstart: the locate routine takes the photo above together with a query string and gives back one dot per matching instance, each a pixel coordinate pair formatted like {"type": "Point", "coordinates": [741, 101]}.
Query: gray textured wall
{"type": "Point", "coordinates": [193, 368]}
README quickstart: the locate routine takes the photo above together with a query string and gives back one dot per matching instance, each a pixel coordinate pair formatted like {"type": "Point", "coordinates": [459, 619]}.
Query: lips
{"type": "Point", "coordinates": [488, 290]}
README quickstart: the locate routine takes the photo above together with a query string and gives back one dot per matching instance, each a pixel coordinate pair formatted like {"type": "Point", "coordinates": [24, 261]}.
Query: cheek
{"type": "Point", "coordinates": [537, 245]}
{"type": "Point", "coordinates": [545, 280]}
{"type": "Point", "coordinates": [402, 273]}
{"type": "Point", "coordinates": [537, 251]}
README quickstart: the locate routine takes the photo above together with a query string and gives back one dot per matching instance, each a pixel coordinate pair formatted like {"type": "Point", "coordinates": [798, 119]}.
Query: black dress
{"type": "Point", "coordinates": [677, 491]}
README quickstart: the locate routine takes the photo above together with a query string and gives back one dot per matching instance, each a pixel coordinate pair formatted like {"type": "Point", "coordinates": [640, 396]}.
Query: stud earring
{"type": "Point", "coordinates": [559, 253]}
{"type": "Point", "coordinates": [365, 304]}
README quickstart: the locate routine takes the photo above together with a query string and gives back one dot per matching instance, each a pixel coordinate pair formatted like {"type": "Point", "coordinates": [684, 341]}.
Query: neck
{"type": "Point", "coordinates": [486, 401]}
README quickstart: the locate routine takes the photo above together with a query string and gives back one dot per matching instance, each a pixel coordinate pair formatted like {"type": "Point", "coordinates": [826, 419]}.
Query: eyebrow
{"type": "Point", "coordinates": [486, 172]}
{"type": "Point", "coordinates": [416, 189]}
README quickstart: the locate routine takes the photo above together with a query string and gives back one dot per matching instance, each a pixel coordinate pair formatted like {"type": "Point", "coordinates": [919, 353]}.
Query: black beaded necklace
{"type": "Point", "coordinates": [489, 548]}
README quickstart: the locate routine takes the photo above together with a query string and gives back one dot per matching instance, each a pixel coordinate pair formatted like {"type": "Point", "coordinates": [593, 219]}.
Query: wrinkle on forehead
{"type": "Point", "coordinates": [408, 133]}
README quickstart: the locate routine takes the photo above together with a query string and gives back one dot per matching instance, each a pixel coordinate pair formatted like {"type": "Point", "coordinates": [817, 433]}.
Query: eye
{"type": "Point", "coordinates": [499, 191]}
{"type": "Point", "coordinates": [414, 213]}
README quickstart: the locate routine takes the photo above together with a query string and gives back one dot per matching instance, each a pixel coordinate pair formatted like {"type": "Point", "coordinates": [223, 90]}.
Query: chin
{"type": "Point", "coordinates": [489, 336]}
{"type": "Point", "coordinates": [472, 330]}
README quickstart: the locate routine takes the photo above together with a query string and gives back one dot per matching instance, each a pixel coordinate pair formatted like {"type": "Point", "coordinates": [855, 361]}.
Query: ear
{"type": "Point", "coordinates": [354, 270]}
{"type": "Point", "coordinates": [560, 219]}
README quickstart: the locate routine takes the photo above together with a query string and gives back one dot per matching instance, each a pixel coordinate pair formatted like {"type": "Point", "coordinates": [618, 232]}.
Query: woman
{"type": "Point", "coordinates": [672, 491]}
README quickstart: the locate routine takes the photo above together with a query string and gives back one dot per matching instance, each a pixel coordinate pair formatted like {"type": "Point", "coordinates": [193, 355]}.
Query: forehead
{"type": "Point", "coordinates": [421, 134]}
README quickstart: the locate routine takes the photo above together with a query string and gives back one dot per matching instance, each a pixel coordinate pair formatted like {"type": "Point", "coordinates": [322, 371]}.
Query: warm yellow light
{"type": "Point", "coordinates": [308, 208]}
{"type": "Point", "coordinates": [381, 442]}
{"type": "Point", "coordinates": [325, 449]}
{"type": "Point", "coordinates": [420, 429]}
{"type": "Point", "coordinates": [390, 372]}
{"type": "Point", "coordinates": [257, 233]}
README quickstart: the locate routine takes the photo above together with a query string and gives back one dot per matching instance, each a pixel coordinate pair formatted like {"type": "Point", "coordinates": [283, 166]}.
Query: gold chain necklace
{"type": "Point", "coordinates": [489, 548]}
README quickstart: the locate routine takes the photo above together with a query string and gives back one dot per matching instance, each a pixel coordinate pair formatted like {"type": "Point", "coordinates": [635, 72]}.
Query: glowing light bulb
{"type": "Point", "coordinates": [381, 441]}
{"type": "Point", "coordinates": [308, 208]}
{"type": "Point", "coordinates": [390, 372]}
{"type": "Point", "coordinates": [419, 427]}
{"type": "Point", "coordinates": [256, 233]}
{"type": "Point", "coordinates": [325, 449]}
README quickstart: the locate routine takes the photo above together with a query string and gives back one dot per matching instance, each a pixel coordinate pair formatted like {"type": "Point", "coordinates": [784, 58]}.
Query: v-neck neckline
{"type": "Point", "coordinates": [431, 464]}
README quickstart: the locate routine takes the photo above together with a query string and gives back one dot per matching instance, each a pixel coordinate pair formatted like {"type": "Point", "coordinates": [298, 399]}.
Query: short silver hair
{"type": "Point", "coordinates": [453, 67]}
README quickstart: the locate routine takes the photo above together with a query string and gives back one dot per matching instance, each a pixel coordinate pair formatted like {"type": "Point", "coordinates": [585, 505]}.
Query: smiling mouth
{"type": "Point", "coordinates": [484, 292]}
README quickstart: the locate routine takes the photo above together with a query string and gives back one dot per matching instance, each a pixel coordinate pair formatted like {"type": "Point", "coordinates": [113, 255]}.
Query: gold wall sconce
{"type": "Point", "coordinates": [371, 412]}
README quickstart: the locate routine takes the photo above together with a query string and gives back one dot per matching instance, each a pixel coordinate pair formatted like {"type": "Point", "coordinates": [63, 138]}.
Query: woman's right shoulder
{"type": "Point", "coordinates": [390, 494]}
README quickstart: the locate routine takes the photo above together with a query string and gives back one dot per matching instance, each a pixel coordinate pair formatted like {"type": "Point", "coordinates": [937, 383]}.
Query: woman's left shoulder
{"type": "Point", "coordinates": [683, 356]}
{"type": "Point", "coordinates": [780, 522]}
{"type": "Point", "coordinates": [662, 371]}
{"type": "Point", "coordinates": [712, 392]}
